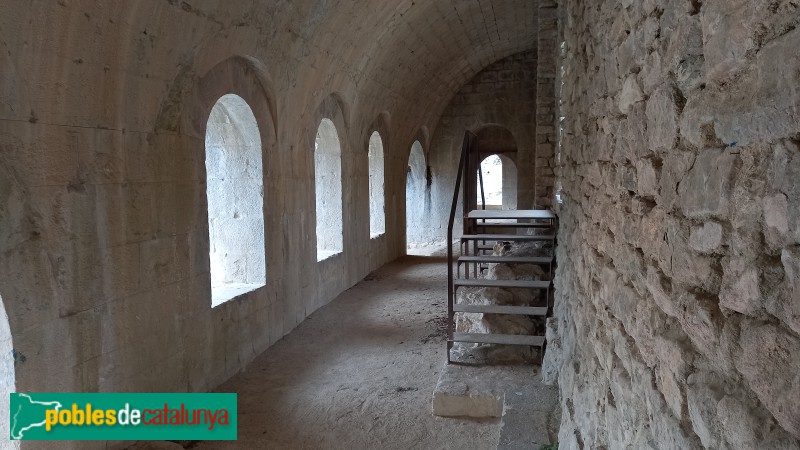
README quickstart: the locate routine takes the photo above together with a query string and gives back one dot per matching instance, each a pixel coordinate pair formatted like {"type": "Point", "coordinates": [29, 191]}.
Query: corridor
{"type": "Point", "coordinates": [358, 373]}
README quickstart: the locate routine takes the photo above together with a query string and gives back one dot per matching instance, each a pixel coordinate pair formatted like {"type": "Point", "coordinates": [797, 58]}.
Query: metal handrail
{"type": "Point", "coordinates": [480, 182]}
{"type": "Point", "coordinates": [462, 163]}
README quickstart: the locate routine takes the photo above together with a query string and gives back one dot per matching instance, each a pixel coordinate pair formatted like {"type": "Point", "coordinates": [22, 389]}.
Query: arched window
{"type": "Point", "coordinates": [415, 195]}
{"type": "Point", "coordinates": [235, 192]}
{"type": "Point", "coordinates": [328, 187]}
{"type": "Point", "coordinates": [377, 212]}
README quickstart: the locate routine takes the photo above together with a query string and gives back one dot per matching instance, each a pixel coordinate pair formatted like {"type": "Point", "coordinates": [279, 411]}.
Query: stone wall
{"type": "Point", "coordinates": [678, 288]}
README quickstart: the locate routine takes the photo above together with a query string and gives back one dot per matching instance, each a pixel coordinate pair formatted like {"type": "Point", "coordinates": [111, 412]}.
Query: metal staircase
{"type": "Point", "coordinates": [481, 229]}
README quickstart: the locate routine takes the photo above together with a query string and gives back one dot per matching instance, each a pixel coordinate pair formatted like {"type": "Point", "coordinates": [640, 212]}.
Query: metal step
{"type": "Point", "coordinates": [508, 339]}
{"type": "Point", "coordinates": [499, 309]}
{"type": "Point", "coordinates": [511, 214]}
{"type": "Point", "coordinates": [480, 282]}
{"type": "Point", "coordinates": [511, 225]}
{"type": "Point", "coordinates": [540, 260]}
{"type": "Point", "coordinates": [507, 237]}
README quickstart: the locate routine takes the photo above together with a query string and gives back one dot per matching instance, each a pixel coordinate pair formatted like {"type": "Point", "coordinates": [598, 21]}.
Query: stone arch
{"type": "Point", "coordinates": [241, 75]}
{"type": "Point", "coordinates": [381, 124]}
{"type": "Point", "coordinates": [244, 77]}
{"type": "Point", "coordinates": [495, 139]}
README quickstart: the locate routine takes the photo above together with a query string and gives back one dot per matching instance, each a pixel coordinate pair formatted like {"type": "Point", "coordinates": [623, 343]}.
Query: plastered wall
{"type": "Point", "coordinates": [104, 250]}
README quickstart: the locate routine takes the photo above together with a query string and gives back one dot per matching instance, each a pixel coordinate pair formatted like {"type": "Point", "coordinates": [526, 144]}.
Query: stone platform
{"type": "Point", "coordinates": [529, 409]}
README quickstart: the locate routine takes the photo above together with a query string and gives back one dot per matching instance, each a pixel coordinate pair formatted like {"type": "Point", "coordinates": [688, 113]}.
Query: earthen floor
{"type": "Point", "coordinates": [358, 373]}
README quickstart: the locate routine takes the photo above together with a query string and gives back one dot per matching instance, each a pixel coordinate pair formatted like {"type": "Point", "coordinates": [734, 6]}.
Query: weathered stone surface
{"type": "Point", "coordinates": [647, 178]}
{"type": "Point", "coordinates": [726, 41]}
{"type": "Point", "coordinates": [768, 362]}
{"type": "Point", "coordinates": [740, 287]}
{"type": "Point", "coordinates": [738, 423]}
{"type": "Point", "coordinates": [702, 396]}
{"type": "Point", "coordinates": [706, 190]}
{"type": "Point", "coordinates": [788, 308]}
{"type": "Point", "coordinates": [631, 93]}
{"type": "Point", "coordinates": [706, 238]}
{"type": "Point", "coordinates": [662, 118]}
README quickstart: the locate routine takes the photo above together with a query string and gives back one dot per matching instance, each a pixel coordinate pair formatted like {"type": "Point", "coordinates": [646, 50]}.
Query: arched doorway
{"type": "Point", "coordinates": [498, 152]}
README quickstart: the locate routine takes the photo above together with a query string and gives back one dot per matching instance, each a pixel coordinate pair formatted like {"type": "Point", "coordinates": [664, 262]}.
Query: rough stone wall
{"type": "Point", "coordinates": [678, 288]}
{"type": "Point", "coordinates": [504, 95]}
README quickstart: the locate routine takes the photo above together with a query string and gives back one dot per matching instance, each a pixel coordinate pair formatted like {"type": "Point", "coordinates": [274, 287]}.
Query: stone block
{"type": "Point", "coordinates": [726, 38]}
{"type": "Point", "coordinates": [768, 363]}
{"type": "Point", "coordinates": [702, 395]}
{"type": "Point", "coordinates": [647, 178]}
{"type": "Point", "coordinates": [740, 286]}
{"type": "Point", "coordinates": [674, 168]}
{"type": "Point", "coordinates": [706, 238]}
{"type": "Point", "coordinates": [739, 426]}
{"type": "Point", "coordinates": [631, 93]}
{"type": "Point", "coordinates": [787, 307]}
{"type": "Point", "coordinates": [662, 118]}
{"type": "Point", "coordinates": [705, 191]}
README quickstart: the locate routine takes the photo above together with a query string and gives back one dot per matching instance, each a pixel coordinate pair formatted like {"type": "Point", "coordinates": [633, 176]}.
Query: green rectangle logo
{"type": "Point", "coordinates": [123, 416]}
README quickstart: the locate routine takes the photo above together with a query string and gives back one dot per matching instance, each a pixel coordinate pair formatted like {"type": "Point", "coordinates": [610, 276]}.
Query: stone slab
{"type": "Point", "coordinates": [529, 409]}
{"type": "Point", "coordinates": [531, 416]}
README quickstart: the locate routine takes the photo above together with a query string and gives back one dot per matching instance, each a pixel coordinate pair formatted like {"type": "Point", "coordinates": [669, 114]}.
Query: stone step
{"type": "Point", "coordinates": [538, 260]}
{"type": "Point", "coordinates": [501, 309]}
{"type": "Point", "coordinates": [482, 282]}
{"type": "Point", "coordinates": [507, 237]}
{"type": "Point", "coordinates": [531, 416]}
{"type": "Point", "coordinates": [507, 339]}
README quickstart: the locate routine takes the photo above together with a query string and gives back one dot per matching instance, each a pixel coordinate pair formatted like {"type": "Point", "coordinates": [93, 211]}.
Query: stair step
{"type": "Point", "coordinates": [511, 225]}
{"type": "Point", "coordinates": [480, 282]}
{"type": "Point", "coordinates": [507, 237]}
{"type": "Point", "coordinates": [508, 339]}
{"type": "Point", "coordinates": [506, 259]}
{"type": "Point", "coordinates": [500, 309]}
{"type": "Point", "coordinates": [511, 214]}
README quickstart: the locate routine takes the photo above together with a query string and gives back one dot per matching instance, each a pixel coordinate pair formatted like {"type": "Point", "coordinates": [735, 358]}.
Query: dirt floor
{"type": "Point", "coordinates": [358, 373]}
